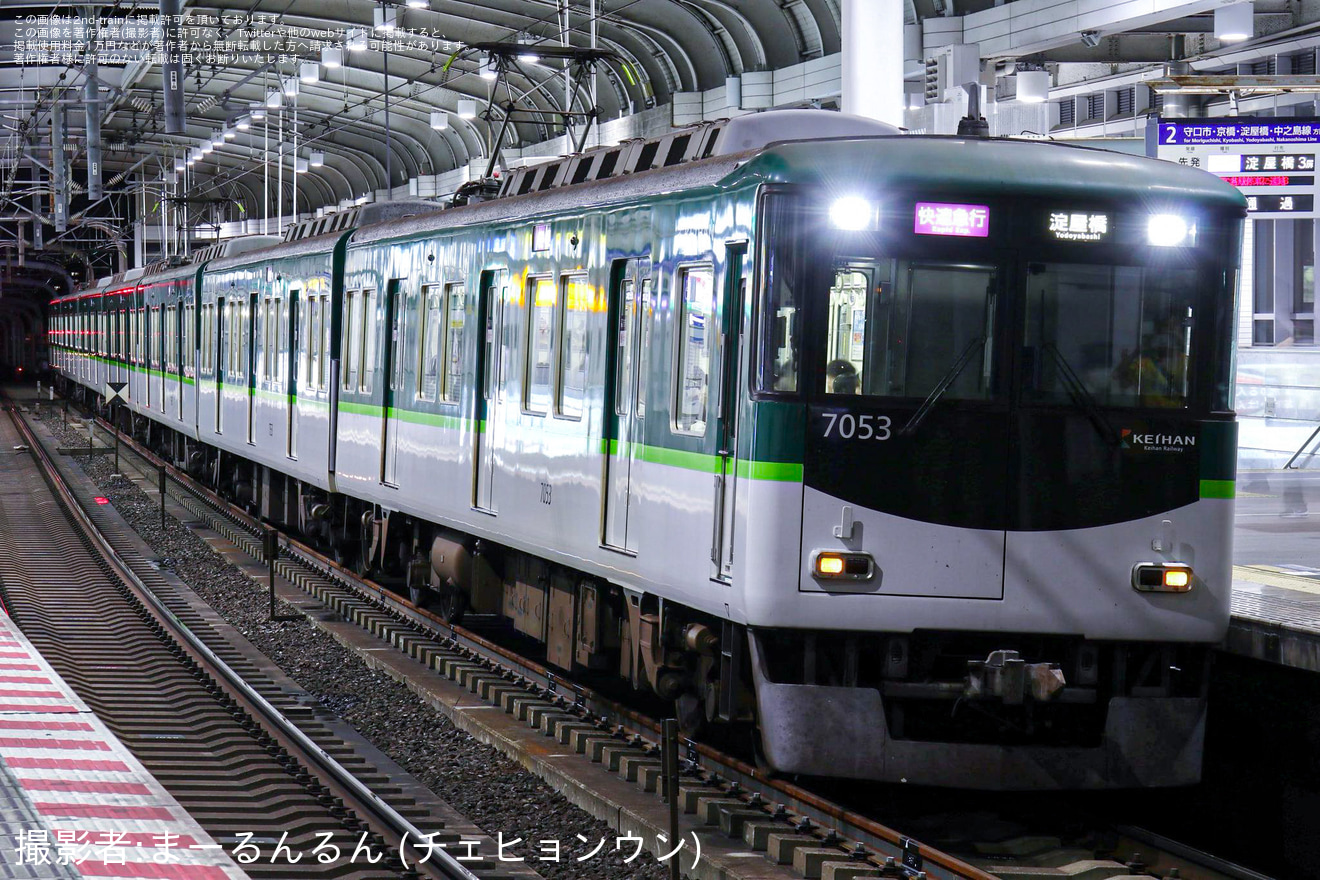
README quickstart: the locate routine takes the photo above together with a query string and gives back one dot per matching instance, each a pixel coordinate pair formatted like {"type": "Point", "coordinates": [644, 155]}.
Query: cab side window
{"type": "Point", "coordinates": [696, 289]}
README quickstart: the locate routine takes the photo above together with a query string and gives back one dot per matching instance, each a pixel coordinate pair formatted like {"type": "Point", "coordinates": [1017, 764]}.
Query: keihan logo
{"type": "Point", "coordinates": [1128, 439]}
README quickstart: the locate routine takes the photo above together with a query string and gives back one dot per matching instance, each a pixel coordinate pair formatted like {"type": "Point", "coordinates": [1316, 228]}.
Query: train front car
{"type": "Point", "coordinates": [1009, 364]}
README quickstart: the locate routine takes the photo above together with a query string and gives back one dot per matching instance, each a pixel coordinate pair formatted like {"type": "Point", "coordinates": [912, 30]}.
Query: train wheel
{"type": "Point", "coordinates": [452, 604]}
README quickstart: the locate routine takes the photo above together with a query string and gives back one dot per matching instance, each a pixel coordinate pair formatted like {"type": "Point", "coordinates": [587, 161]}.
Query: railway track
{"type": "Point", "coordinates": [247, 758]}
{"type": "Point", "coordinates": [790, 825]}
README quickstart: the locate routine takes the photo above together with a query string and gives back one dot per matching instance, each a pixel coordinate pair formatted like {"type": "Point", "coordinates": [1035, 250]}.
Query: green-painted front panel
{"type": "Point", "coordinates": [1218, 445]}
{"type": "Point", "coordinates": [1218, 489]}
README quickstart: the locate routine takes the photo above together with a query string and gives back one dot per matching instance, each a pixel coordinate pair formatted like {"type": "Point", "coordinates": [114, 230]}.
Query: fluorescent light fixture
{"type": "Point", "coordinates": [309, 72]}
{"type": "Point", "coordinates": [274, 99]}
{"type": "Point", "coordinates": [488, 70]}
{"type": "Point", "coordinates": [180, 165]}
{"type": "Point", "coordinates": [356, 40]}
{"type": "Point", "coordinates": [244, 123]}
{"type": "Point", "coordinates": [258, 112]}
{"type": "Point", "coordinates": [467, 109]}
{"type": "Point", "coordinates": [386, 18]}
{"type": "Point", "coordinates": [1169, 230]}
{"type": "Point", "coordinates": [418, 4]}
{"type": "Point", "coordinates": [1235, 23]}
{"type": "Point", "coordinates": [332, 57]}
{"type": "Point", "coordinates": [316, 159]}
{"type": "Point", "coordinates": [439, 120]}
{"type": "Point", "coordinates": [362, 199]}
{"type": "Point", "coordinates": [230, 134]}
{"type": "Point", "coordinates": [528, 57]}
{"type": "Point", "coordinates": [206, 147]}
{"type": "Point", "coordinates": [1033, 86]}
{"type": "Point", "coordinates": [299, 166]}
{"type": "Point", "coordinates": [852, 213]}
{"type": "Point", "coordinates": [289, 86]}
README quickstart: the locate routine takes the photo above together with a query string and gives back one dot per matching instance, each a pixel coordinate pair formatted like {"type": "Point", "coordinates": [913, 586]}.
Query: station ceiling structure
{"type": "Point", "coordinates": [366, 100]}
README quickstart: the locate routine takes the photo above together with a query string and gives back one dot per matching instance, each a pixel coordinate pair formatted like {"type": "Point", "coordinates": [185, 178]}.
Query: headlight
{"type": "Point", "coordinates": [1170, 230]}
{"type": "Point", "coordinates": [853, 213]}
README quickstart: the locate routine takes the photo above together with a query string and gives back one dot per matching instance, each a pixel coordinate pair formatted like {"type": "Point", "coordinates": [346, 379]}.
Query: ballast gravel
{"type": "Point", "coordinates": [496, 794]}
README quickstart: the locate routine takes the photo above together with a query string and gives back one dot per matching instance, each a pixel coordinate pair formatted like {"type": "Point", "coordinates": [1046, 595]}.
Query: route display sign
{"type": "Point", "coordinates": [1272, 160]}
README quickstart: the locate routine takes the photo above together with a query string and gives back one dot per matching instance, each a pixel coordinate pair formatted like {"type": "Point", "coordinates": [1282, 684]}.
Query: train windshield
{"type": "Point", "coordinates": [900, 328]}
{"type": "Point", "coordinates": [1121, 334]}
{"type": "Point", "coordinates": [1010, 315]}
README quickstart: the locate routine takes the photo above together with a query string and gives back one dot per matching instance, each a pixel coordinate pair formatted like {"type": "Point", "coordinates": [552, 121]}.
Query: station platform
{"type": "Point", "coordinates": [1276, 615]}
{"type": "Point", "coordinates": [74, 802]}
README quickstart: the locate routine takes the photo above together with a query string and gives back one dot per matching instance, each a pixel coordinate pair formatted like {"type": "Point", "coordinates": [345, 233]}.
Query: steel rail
{"type": "Point", "coordinates": [372, 804]}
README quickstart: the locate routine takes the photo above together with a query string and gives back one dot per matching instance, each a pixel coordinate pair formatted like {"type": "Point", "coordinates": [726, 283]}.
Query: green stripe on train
{"type": "Point", "coordinates": [1218, 488]}
{"type": "Point", "coordinates": [777, 471]}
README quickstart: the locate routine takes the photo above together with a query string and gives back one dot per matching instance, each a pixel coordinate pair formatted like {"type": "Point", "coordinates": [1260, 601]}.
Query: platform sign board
{"type": "Point", "coordinates": [1272, 160]}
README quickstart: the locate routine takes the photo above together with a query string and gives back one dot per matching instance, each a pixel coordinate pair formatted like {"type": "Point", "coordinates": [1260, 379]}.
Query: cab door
{"type": "Point", "coordinates": [494, 352]}
{"type": "Point", "coordinates": [907, 435]}
{"type": "Point", "coordinates": [630, 296]}
{"type": "Point", "coordinates": [726, 414]}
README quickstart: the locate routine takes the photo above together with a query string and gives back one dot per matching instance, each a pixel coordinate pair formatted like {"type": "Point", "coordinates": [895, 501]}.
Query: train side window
{"type": "Point", "coordinates": [280, 312]}
{"type": "Point", "coordinates": [326, 325]}
{"type": "Point", "coordinates": [189, 348]}
{"type": "Point", "coordinates": [623, 358]}
{"type": "Point", "coordinates": [204, 368]}
{"type": "Point", "coordinates": [171, 341]}
{"type": "Point", "coordinates": [696, 287]}
{"type": "Point", "coordinates": [269, 321]}
{"type": "Point", "coordinates": [348, 346]}
{"type": "Point", "coordinates": [455, 322]}
{"type": "Point", "coordinates": [543, 293]}
{"type": "Point", "coordinates": [428, 347]}
{"type": "Point", "coordinates": [313, 346]}
{"type": "Point", "coordinates": [783, 264]}
{"type": "Point", "coordinates": [368, 346]}
{"type": "Point", "coordinates": [574, 311]}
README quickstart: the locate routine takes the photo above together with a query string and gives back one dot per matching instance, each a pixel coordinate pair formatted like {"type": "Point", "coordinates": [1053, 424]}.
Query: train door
{"type": "Point", "coordinates": [179, 353]}
{"type": "Point", "coordinates": [159, 329]}
{"type": "Point", "coordinates": [249, 356]}
{"type": "Point", "coordinates": [221, 320]}
{"type": "Point", "coordinates": [148, 355]}
{"type": "Point", "coordinates": [631, 284]}
{"type": "Point", "coordinates": [493, 354]}
{"type": "Point", "coordinates": [726, 413]}
{"type": "Point", "coordinates": [392, 383]}
{"type": "Point", "coordinates": [291, 371]}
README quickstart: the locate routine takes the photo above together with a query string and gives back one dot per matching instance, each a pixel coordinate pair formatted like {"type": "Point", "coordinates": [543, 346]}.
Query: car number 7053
{"type": "Point", "coordinates": [848, 426]}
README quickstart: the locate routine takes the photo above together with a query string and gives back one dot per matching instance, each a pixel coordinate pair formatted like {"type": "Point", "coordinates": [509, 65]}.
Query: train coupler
{"type": "Point", "coordinates": [1005, 675]}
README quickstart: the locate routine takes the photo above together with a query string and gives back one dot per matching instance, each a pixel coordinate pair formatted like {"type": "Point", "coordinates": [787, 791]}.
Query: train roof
{"type": "Point", "coordinates": [989, 166]}
{"type": "Point", "coordinates": [312, 242]}
{"type": "Point", "coordinates": [934, 162]}
{"type": "Point", "coordinates": [581, 196]}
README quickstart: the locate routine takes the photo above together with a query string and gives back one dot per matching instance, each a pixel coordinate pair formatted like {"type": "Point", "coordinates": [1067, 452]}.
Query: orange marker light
{"type": "Point", "coordinates": [829, 565]}
{"type": "Point", "coordinates": [1176, 579]}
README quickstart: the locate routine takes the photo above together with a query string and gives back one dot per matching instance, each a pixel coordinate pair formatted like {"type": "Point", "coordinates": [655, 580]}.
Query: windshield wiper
{"type": "Point", "coordinates": [942, 386]}
{"type": "Point", "coordinates": [1081, 396]}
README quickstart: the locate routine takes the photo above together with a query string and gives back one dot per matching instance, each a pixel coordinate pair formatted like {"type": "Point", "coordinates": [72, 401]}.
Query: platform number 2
{"type": "Point", "coordinates": [846, 426]}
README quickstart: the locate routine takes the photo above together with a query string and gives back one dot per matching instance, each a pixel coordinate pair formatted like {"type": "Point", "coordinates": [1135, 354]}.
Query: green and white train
{"type": "Point", "coordinates": [914, 453]}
